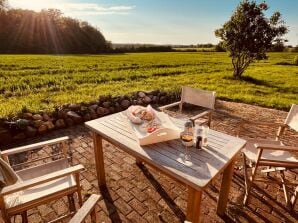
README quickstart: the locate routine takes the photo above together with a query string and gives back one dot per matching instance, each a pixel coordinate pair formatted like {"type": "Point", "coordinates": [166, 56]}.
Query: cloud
{"type": "Point", "coordinates": [70, 8]}
{"type": "Point", "coordinates": [94, 9]}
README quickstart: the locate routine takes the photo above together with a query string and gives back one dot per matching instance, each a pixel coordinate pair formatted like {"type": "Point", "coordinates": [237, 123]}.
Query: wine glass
{"type": "Point", "coordinates": [187, 140]}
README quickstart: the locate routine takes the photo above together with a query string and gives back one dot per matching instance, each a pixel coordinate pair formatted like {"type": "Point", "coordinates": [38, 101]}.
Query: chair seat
{"type": "Point", "coordinates": [39, 191]}
{"type": "Point", "coordinates": [277, 155]}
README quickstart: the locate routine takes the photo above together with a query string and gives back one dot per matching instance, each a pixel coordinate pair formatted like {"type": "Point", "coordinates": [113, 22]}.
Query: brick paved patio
{"type": "Point", "coordinates": [141, 194]}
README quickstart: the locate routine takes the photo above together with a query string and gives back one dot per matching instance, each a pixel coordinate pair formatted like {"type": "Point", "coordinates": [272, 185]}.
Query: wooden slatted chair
{"type": "Point", "coordinates": [204, 99]}
{"type": "Point", "coordinates": [48, 178]}
{"type": "Point", "coordinates": [265, 156]}
{"type": "Point", "coordinates": [87, 209]}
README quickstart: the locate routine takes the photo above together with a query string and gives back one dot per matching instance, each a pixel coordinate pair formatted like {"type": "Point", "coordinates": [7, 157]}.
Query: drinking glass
{"type": "Point", "coordinates": [198, 135]}
{"type": "Point", "coordinates": [205, 130]}
{"type": "Point", "coordinates": [187, 141]}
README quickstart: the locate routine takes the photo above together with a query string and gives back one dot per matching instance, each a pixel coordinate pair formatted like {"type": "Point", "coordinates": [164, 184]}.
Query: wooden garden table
{"type": "Point", "coordinates": [167, 157]}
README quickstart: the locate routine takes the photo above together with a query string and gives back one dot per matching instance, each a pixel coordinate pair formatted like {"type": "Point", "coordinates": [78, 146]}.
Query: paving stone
{"type": "Point", "coordinates": [142, 194]}
{"type": "Point", "coordinates": [138, 194]}
{"type": "Point", "coordinates": [123, 207]}
{"type": "Point", "coordinates": [60, 207]}
{"type": "Point", "coordinates": [124, 194]}
{"type": "Point", "coordinates": [102, 217]}
{"type": "Point", "coordinates": [138, 206]}
{"type": "Point", "coordinates": [34, 218]}
{"type": "Point", "coordinates": [44, 210]}
{"type": "Point", "coordinates": [107, 207]}
{"type": "Point", "coordinates": [134, 217]}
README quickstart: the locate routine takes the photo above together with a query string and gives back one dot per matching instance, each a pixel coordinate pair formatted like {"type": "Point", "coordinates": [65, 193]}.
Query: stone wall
{"type": "Point", "coordinates": [29, 124]}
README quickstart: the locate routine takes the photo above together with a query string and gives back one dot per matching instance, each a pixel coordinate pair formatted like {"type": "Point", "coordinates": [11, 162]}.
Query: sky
{"type": "Point", "coordinates": [160, 21]}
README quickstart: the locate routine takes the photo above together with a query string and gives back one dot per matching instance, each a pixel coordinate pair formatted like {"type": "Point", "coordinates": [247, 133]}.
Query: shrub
{"type": "Point", "coordinates": [295, 61]}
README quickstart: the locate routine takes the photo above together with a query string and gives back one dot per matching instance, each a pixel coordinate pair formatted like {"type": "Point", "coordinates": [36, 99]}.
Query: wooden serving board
{"type": "Point", "coordinates": [167, 131]}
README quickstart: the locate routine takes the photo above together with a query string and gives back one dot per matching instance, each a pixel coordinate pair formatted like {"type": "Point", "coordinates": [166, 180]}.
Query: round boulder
{"type": "Point", "coordinates": [27, 115]}
{"type": "Point", "coordinates": [49, 125]}
{"type": "Point", "coordinates": [69, 122]}
{"type": "Point", "coordinates": [60, 123]}
{"type": "Point", "coordinates": [42, 129]}
{"type": "Point", "coordinates": [106, 104]}
{"type": "Point", "coordinates": [74, 116]}
{"type": "Point", "coordinates": [141, 94]}
{"type": "Point", "coordinates": [101, 111]}
{"type": "Point", "coordinates": [37, 117]}
{"type": "Point", "coordinates": [30, 131]}
{"type": "Point", "coordinates": [147, 100]}
{"type": "Point", "coordinates": [125, 103]}
{"type": "Point", "coordinates": [5, 136]}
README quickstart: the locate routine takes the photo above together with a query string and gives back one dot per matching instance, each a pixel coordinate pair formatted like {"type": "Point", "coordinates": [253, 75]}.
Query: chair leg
{"type": "Point", "coordinates": [246, 181]}
{"type": "Point", "coordinates": [5, 217]}
{"type": "Point", "coordinates": [209, 119]}
{"type": "Point", "coordinates": [77, 178]}
{"type": "Point", "coordinates": [93, 216]}
{"type": "Point", "coordinates": [284, 186]}
{"type": "Point", "coordinates": [268, 173]}
{"type": "Point", "coordinates": [71, 203]}
{"type": "Point", "coordinates": [24, 217]}
{"type": "Point", "coordinates": [294, 198]}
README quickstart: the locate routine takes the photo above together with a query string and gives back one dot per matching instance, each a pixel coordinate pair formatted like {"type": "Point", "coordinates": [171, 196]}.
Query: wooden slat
{"type": "Point", "coordinates": [275, 163]}
{"type": "Point", "coordinates": [276, 147]}
{"type": "Point", "coordinates": [86, 209]}
{"type": "Point", "coordinates": [34, 146]}
{"type": "Point", "coordinates": [57, 155]}
{"type": "Point", "coordinates": [169, 105]}
{"type": "Point", "coordinates": [222, 148]}
{"type": "Point", "coordinates": [42, 200]}
{"type": "Point", "coordinates": [43, 169]}
{"type": "Point", "coordinates": [40, 180]}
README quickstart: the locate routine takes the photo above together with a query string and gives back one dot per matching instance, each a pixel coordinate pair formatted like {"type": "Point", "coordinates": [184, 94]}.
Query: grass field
{"type": "Point", "coordinates": [43, 81]}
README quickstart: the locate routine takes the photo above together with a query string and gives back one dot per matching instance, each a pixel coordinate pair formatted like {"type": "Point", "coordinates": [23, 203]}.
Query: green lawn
{"type": "Point", "coordinates": [44, 81]}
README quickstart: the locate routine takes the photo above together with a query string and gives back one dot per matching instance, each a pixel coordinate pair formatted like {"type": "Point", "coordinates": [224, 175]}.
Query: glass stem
{"type": "Point", "coordinates": [186, 155]}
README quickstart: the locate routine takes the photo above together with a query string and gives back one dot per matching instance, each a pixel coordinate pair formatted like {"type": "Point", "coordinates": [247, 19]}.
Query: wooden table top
{"type": "Point", "coordinates": [168, 156]}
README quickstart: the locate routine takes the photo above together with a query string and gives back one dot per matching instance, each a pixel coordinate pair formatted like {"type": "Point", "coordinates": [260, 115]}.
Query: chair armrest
{"type": "Point", "coordinates": [33, 146]}
{"type": "Point", "coordinates": [86, 209]}
{"type": "Point", "coordinates": [169, 105]}
{"type": "Point", "coordinates": [41, 180]}
{"type": "Point", "coordinates": [275, 147]}
{"type": "Point", "coordinates": [204, 113]}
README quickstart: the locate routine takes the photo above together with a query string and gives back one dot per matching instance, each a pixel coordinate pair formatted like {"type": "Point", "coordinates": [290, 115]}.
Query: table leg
{"type": "Point", "coordinates": [193, 205]}
{"type": "Point", "coordinates": [99, 161]}
{"type": "Point", "coordinates": [225, 189]}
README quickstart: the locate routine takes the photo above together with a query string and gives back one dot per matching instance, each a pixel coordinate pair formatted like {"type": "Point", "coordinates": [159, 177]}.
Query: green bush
{"type": "Point", "coordinates": [295, 61]}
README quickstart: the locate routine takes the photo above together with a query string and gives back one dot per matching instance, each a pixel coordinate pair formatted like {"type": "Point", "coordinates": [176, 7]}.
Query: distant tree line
{"type": "Point", "coordinates": [144, 48]}
{"type": "Point", "coordinates": [280, 47]}
{"type": "Point", "coordinates": [48, 31]}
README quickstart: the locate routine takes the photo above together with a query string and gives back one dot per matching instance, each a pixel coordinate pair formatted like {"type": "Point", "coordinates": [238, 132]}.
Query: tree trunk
{"type": "Point", "coordinates": [237, 73]}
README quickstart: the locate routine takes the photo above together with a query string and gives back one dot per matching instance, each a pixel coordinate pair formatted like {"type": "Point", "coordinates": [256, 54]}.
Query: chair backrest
{"type": "Point", "coordinates": [198, 97]}
{"type": "Point", "coordinates": [292, 118]}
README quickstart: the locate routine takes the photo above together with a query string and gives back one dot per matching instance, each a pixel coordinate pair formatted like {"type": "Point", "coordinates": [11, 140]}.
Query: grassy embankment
{"type": "Point", "coordinates": [44, 81]}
